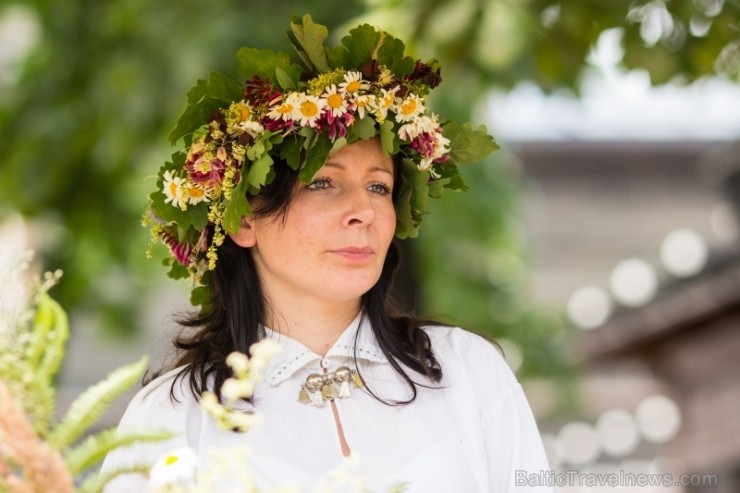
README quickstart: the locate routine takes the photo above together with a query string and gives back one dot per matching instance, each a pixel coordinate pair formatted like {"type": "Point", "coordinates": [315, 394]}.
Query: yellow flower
{"type": "Point", "coordinates": [385, 76]}
{"type": "Point", "coordinates": [383, 103]}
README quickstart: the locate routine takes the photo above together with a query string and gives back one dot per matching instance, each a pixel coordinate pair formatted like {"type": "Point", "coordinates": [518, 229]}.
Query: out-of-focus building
{"type": "Point", "coordinates": [638, 243]}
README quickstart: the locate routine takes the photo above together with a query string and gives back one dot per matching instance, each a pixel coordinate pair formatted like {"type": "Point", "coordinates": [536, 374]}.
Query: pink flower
{"type": "Point", "coordinates": [205, 172]}
{"type": "Point", "coordinates": [181, 251]}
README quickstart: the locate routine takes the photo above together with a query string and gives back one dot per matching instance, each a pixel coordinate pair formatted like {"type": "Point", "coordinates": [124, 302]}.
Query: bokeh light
{"type": "Point", "coordinates": [589, 307]}
{"type": "Point", "coordinates": [617, 432]}
{"type": "Point", "coordinates": [683, 253]}
{"type": "Point", "coordinates": [658, 418]}
{"type": "Point", "coordinates": [578, 443]}
{"type": "Point", "coordinates": [633, 282]}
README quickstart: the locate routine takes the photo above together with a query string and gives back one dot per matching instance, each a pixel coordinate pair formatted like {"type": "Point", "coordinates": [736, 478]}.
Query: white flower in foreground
{"type": "Point", "coordinates": [175, 470]}
{"type": "Point", "coordinates": [238, 362]}
{"type": "Point", "coordinates": [266, 348]}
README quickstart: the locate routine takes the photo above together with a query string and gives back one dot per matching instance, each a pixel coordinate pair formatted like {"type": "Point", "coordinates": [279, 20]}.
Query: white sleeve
{"type": "Point", "coordinates": [512, 442]}
{"type": "Point", "coordinates": [514, 447]}
{"type": "Point", "coordinates": [150, 410]}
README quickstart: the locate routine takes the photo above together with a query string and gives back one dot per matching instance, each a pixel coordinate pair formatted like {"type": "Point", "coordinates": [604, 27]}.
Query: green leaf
{"type": "Point", "coordinates": [390, 53]}
{"type": "Point", "coordinates": [336, 56]}
{"type": "Point", "coordinates": [468, 145]}
{"type": "Point", "coordinates": [316, 157]}
{"type": "Point", "coordinates": [310, 38]}
{"type": "Point", "coordinates": [198, 91]}
{"type": "Point", "coordinates": [436, 187]}
{"type": "Point", "coordinates": [404, 221]}
{"type": "Point", "coordinates": [258, 171]}
{"type": "Point", "coordinates": [178, 271]}
{"type": "Point", "coordinates": [224, 88]}
{"type": "Point", "coordinates": [360, 44]}
{"type": "Point", "coordinates": [284, 80]}
{"type": "Point", "coordinates": [200, 296]}
{"type": "Point", "coordinates": [194, 215]}
{"type": "Point", "coordinates": [94, 448]}
{"type": "Point", "coordinates": [89, 406]}
{"type": "Point", "coordinates": [238, 206]}
{"type": "Point", "coordinates": [365, 128]}
{"type": "Point", "coordinates": [457, 183]}
{"type": "Point", "coordinates": [419, 181]}
{"type": "Point", "coordinates": [290, 151]}
{"type": "Point", "coordinates": [194, 117]}
{"type": "Point", "coordinates": [204, 99]}
{"type": "Point", "coordinates": [267, 64]}
{"type": "Point", "coordinates": [388, 138]}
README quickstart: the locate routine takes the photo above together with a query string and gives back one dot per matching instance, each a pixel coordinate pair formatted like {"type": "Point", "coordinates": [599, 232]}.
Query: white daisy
{"type": "Point", "coordinates": [335, 102]}
{"type": "Point", "coordinates": [353, 83]}
{"type": "Point", "coordinates": [255, 129]}
{"type": "Point", "coordinates": [408, 108]}
{"type": "Point", "coordinates": [196, 195]}
{"type": "Point", "coordinates": [287, 110]}
{"type": "Point", "coordinates": [173, 469]}
{"type": "Point", "coordinates": [410, 131]}
{"type": "Point", "coordinates": [364, 103]}
{"type": "Point", "coordinates": [309, 109]}
{"type": "Point", "coordinates": [173, 189]}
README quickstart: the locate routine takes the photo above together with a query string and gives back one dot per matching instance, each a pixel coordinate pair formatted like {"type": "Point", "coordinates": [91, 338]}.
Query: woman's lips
{"type": "Point", "coordinates": [355, 253]}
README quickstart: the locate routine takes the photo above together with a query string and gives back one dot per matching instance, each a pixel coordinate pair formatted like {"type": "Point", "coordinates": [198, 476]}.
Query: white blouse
{"type": "Point", "coordinates": [471, 433]}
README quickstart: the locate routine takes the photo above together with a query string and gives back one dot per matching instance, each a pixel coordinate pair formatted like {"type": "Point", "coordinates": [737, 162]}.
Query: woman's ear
{"type": "Point", "coordinates": [245, 237]}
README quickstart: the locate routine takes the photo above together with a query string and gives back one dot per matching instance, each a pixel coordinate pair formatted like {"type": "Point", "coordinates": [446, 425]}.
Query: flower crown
{"type": "Point", "coordinates": [296, 114]}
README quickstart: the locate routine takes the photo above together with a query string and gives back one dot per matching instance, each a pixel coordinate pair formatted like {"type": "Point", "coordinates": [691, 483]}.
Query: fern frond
{"type": "Point", "coordinates": [54, 341]}
{"type": "Point", "coordinates": [40, 360]}
{"type": "Point", "coordinates": [96, 482]}
{"type": "Point", "coordinates": [42, 325]}
{"type": "Point", "coordinates": [93, 448]}
{"type": "Point", "coordinates": [89, 406]}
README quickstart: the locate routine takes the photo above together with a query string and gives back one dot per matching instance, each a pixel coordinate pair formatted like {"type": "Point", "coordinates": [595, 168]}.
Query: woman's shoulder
{"type": "Point", "coordinates": [461, 351]}
{"type": "Point", "coordinates": [162, 403]}
{"type": "Point", "coordinates": [459, 341]}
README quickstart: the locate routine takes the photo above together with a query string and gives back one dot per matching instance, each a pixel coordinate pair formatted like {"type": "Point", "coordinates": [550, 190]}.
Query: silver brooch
{"type": "Point", "coordinates": [317, 389]}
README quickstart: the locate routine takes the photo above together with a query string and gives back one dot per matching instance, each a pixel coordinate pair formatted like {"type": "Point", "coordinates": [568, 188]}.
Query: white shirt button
{"type": "Point", "coordinates": [324, 363]}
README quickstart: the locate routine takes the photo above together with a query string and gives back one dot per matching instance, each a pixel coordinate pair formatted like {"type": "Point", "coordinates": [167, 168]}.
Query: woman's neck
{"type": "Point", "coordinates": [315, 325]}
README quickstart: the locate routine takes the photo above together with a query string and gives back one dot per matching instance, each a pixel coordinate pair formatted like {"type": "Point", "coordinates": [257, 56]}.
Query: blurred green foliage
{"type": "Point", "coordinates": [87, 117]}
{"type": "Point", "coordinates": [549, 41]}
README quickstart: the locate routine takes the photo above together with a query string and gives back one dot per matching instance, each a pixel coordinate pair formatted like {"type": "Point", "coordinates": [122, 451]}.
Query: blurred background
{"type": "Point", "coordinates": [599, 247]}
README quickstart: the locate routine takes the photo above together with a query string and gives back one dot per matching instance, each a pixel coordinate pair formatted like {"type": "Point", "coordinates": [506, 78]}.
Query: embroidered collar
{"type": "Point", "coordinates": [295, 355]}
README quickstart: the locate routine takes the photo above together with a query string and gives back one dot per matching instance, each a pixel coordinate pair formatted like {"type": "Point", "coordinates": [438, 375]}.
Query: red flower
{"type": "Point", "coordinates": [259, 92]}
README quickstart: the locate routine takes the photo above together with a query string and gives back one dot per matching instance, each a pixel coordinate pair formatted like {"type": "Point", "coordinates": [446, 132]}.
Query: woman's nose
{"type": "Point", "coordinates": [359, 207]}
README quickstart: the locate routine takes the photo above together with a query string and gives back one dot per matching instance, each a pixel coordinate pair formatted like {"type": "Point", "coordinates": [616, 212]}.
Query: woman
{"type": "Point", "coordinates": [284, 210]}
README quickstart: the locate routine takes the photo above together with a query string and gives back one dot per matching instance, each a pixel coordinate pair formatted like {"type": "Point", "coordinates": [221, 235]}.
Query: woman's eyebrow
{"type": "Point", "coordinates": [341, 166]}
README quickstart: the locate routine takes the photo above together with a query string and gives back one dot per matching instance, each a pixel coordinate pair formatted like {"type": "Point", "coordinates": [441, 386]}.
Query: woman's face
{"type": "Point", "coordinates": [333, 240]}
